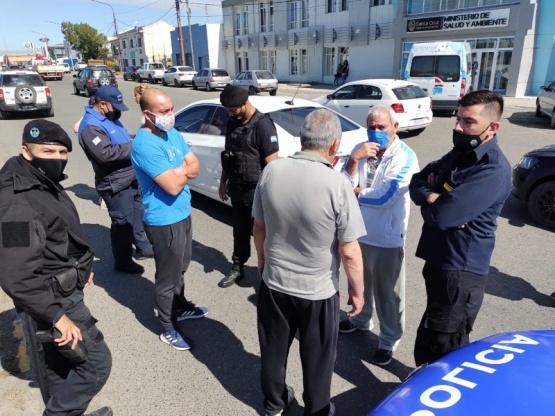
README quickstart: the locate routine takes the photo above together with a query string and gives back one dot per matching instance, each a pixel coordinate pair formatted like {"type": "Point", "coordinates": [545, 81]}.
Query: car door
{"type": "Point", "coordinates": [547, 98]}
{"type": "Point", "coordinates": [168, 77]}
{"type": "Point", "coordinates": [240, 79]}
{"type": "Point", "coordinates": [83, 77]}
{"type": "Point", "coordinates": [344, 102]}
{"type": "Point", "coordinates": [205, 135]}
{"type": "Point", "coordinates": [367, 96]}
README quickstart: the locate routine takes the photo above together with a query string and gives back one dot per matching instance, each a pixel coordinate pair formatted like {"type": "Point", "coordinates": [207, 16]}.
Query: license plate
{"type": "Point", "coordinates": [28, 108]}
{"type": "Point", "coordinates": [420, 121]}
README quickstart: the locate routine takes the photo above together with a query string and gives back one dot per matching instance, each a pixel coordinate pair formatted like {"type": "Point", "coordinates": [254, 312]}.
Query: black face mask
{"type": "Point", "coordinates": [467, 142]}
{"type": "Point", "coordinates": [51, 168]}
{"type": "Point", "coordinates": [113, 115]}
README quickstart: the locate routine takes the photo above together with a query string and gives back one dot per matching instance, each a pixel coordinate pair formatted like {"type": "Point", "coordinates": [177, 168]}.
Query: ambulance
{"type": "Point", "coordinates": [442, 69]}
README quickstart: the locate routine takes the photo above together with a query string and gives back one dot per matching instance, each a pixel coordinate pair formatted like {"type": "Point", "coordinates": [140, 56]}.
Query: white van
{"type": "Point", "coordinates": [442, 69]}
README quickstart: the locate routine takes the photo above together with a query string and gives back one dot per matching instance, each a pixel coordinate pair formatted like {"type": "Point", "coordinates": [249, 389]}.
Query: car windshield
{"type": "Point", "coordinates": [157, 66]}
{"type": "Point", "coordinates": [9, 80]}
{"type": "Point", "coordinates": [409, 92]}
{"type": "Point", "coordinates": [264, 75]}
{"type": "Point", "coordinates": [292, 119]}
{"type": "Point", "coordinates": [219, 73]}
{"type": "Point", "coordinates": [102, 73]}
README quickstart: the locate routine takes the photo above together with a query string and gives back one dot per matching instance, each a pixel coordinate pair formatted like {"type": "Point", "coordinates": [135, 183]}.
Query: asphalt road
{"type": "Point", "coordinates": [220, 376]}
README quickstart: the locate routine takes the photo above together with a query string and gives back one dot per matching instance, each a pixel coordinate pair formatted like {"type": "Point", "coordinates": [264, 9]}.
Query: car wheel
{"type": "Point", "coordinates": [273, 92]}
{"type": "Point", "coordinates": [3, 115]}
{"type": "Point", "coordinates": [49, 112]}
{"type": "Point", "coordinates": [87, 92]}
{"type": "Point", "coordinates": [76, 90]}
{"type": "Point", "coordinates": [176, 83]}
{"type": "Point", "coordinates": [553, 119]}
{"type": "Point", "coordinates": [164, 83]}
{"type": "Point", "coordinates": [194, 86]}
{"type": "Point", "coordinates": [541, 204]}
{"type": "Point", "coordinates": [150, 79]}
{"type": "Point", "coordinates": [25, 94]}
{"type": "Point", "coordinates": [416, 132]}
{"type": "Point", "coordinates": [538, 112]}
{"type": "Point", "coordinates": [139, 79]}
{"type": "Point", "coordinates": [252, 91]}
{"type": "Point", "coordinates": [208, 87]}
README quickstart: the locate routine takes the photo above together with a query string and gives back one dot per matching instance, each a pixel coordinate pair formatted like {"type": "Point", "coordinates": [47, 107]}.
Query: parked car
{"type": "Point", "coordinates": [130, 73]}
{"type": "Point", "coordinates": [534, 183]}
{"type": "Point", "coordinates": [92, 78]}
{"type": "Point", "coordinates": [203, 125]}
{"type": "Point", "coordinates": [67, 69]}
{"type": "Point", "coordinates": [80, 65]}
{"type": "Point", "coordinates": [24, 91]}
{"type": "Point", "coordinates": [257, 81]}
{"type": "Point", "coordinates": [211, 78]}
{"type": "Point", "coordinates": [412, 106]}
{"type": "Point", "coordinates": [179, 76]}
{"type": "Point", "coordinates": [545, 103]}
{"type": "Point", "coordinates": [505, 374]}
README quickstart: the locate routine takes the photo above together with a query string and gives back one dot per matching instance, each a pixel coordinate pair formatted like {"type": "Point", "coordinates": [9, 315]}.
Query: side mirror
{"type": "Point", "coordinates": [543, 87]}
{"type": "Point", "coordinates": [330, 97]}
{"type": "Point", "coordinates": [74, 75]}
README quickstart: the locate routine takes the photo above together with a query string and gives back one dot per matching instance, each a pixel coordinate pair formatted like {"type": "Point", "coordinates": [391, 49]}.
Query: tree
{"type": "Point", "coordinates": [85, 39]}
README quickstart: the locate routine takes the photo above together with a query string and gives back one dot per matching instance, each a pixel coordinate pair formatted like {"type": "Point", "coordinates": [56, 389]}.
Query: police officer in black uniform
{"type": "Point", "coordinates": [46, 263]}
{"type": "Point", "coordinates": [250, 144]}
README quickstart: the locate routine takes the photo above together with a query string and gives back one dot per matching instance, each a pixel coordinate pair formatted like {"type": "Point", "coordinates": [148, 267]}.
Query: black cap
{"type": "Point", "coordinates": [234, 96]}
{"type": "Point", "coordinates": [45, 132]}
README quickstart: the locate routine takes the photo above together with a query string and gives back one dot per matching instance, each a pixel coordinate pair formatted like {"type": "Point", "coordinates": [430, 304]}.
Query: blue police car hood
{"type": "Point", "coordinates": [505, 374]}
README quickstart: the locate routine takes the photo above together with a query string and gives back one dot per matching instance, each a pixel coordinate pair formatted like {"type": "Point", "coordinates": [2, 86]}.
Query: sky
{"type": "Point", "coordinates": [21, 19]}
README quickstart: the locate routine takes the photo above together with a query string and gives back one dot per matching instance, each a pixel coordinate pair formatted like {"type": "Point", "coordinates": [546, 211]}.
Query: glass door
{"type": "Point", "coordinates": [485, 70]}
{"type": "Point", "coordinates": [502, 71]}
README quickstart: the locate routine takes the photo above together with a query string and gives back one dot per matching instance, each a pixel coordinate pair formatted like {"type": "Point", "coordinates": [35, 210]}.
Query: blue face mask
{"type": "Point", "coordinates": [379, 137]}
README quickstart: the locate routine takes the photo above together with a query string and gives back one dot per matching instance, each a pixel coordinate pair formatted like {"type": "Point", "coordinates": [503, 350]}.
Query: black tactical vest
{"type": "Point", "coordinates": [240, 161]}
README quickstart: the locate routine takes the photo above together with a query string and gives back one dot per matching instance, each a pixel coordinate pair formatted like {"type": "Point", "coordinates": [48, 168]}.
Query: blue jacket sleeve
{"type": "Point", "coordinates": [99, 147]}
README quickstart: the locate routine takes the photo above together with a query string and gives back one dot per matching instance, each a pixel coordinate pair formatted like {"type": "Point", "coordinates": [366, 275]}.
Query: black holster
{"type": "Point", "coordinates": [65, 282]}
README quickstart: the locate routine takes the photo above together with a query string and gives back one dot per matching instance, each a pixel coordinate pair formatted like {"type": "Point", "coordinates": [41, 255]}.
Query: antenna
{"type": "Point", "coordinates": [294, 95]}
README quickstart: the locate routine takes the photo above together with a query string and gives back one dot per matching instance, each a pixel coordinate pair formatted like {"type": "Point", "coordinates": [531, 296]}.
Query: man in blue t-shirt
{"type": "Point", "coordinates": [163, 164]}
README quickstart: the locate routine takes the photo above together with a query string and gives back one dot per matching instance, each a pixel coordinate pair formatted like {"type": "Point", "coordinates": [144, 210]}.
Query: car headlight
{"type": "Point", "coordinates": [527, 162]}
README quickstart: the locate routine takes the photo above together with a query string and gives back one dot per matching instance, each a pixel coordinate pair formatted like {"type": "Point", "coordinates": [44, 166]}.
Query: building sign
{"type": "Point", "coordinates": [460, 21]}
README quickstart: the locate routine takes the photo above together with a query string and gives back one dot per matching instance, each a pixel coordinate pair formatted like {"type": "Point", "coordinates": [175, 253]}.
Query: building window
{"type": "Point", "coordinates": [131, 43]}
{"type": "Point", "coordinates": [293, 18]}
{"type": "Point", "coordinates": [272, 63]}
{"type": "Point", "coordinates": [242, 61]}
{"type": "Point", "coordinates": [125, 63]}
{"type": "Point", "coordinates": [237, 23]}
{"type": "Point", "coordinates": [336, 5]}
{"type": "Point", "coordinates": [298, 62]}
{"type": "Point", "coordinates": [330, 61]}
{"type": "Point", "coordinates": [264, 60]}
{"type": "Point", "coordinates": [245, 20]}
{"type": "Point", "coordinates": [271, 19]}
{"type": "Point", "coordinates": [133, 62]}
{"type": "Point", "coordinates": [140, 42]}
{"type": "Point", "coordinates": [263, 26]}
{"type": "Point", "coordinates": [268, 61]}
{"type": "Point", "coordinates": [142, 61]}
{"type": "Point", "coordinates": [123, 44]}
{"type": "Point", "coordinates": [298, 14]}
{"type": "Point", "coordinates": [428, 6]}
{"type": "Point", "coordinates": [382, 2]}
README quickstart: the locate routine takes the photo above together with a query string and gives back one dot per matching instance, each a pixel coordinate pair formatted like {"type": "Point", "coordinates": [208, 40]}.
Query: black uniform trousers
{"type": "Point", "coordinates": [126, 212]}
{"type": "Point", "coordinates": [454, 300]}
{"type": "Point", "coordinates": [71, 387]}
{"type": "Point", "coordinates": [241, 202]}
{"type": "Point", "coordinates": [172, 245]}
{"type": "Point", "coordinates": [279, 317]}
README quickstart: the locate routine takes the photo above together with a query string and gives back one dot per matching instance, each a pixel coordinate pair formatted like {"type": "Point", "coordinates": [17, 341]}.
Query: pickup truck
{"type": "Point", "coordinates": [151, 71]}
{"type": "Point", "coordinates": [49, 71]}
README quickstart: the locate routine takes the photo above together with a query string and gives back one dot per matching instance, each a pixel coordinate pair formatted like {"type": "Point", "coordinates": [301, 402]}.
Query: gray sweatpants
{"type": "Point", "coordinates": [384, 286]}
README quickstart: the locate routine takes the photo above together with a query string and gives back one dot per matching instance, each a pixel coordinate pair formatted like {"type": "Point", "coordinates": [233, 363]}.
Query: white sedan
{"type": "Point", "coordinates": [178, 76]}
{"type": "Point", "coordinates": [412, 106]}
{"type": "Point", "coordinates": [203, 125]}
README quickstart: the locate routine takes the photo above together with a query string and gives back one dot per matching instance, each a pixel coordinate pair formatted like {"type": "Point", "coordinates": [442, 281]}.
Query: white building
{"type": "Point", "coordinates": [141, 44]}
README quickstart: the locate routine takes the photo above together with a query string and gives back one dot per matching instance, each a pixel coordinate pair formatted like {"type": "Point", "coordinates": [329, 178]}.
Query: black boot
{"type": "Point", "coordinates": [236, 273]}
{"type": "Point", "coordinates": [103, 411]}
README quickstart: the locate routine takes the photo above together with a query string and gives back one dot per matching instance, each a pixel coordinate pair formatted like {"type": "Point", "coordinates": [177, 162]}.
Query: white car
{"type": "Point", "coordinates": [545, 103]}
{"type": "Point", "coordinates": [179, 76]}
{"type": "Point", "coordinates": [24, 91]}
{"type": "Point", "coordinates": [256, 81]}
{"type": "Point", "coordinates": [203, 125]}
{"type": "Point", "coordinates": [412, 106]}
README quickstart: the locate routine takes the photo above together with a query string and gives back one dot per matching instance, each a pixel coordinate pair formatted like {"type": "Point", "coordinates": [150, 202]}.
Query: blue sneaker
{"type": "Point", "coordinates": [191, 312]}
{"type": "Point", "coordinates": [176, 340]}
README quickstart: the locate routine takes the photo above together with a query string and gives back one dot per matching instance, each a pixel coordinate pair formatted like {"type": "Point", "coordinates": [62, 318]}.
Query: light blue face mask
{"type": "Point", "coordinates": [379, 137]}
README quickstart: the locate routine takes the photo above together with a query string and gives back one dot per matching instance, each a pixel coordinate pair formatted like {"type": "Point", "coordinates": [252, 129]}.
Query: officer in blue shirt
{"type": "Point", "coordinates": [164, 164]}
{"type": "Point", "coordinates": [107, 145]}
{"type": "Point", "coordinates": [461, 195]}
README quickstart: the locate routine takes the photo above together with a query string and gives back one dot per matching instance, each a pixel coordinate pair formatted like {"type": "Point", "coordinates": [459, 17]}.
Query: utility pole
{"type": "Point", "coordinates": [190, 35]}
{"type": "Point", "coordinates": [180, 34]}
{"type": "Point", "coordinates": [116, 29]}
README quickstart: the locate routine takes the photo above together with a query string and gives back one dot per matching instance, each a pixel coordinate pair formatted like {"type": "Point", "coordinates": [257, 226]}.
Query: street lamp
{"type": "Point", "coordinates": [45, 41]}
{"type": "Point", "coordinates": [115, 28]}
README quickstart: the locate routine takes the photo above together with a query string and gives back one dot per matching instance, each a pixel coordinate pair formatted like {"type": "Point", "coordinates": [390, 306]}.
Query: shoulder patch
{"type": "Point", "coordinates": [273, 139]}
{"type": "Point", "coordinates": [16, 234]}
{"type": "Point", "coordinates": [96, 140]}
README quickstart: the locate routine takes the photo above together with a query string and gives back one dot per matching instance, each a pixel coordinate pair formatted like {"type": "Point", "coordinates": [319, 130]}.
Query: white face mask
{"type": "Point", "coordinates": [164, 123]}
{"type": "Point", "coordinates": [143, 120]}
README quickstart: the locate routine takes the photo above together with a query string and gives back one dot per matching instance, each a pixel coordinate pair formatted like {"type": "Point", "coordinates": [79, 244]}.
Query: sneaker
{"type": "Point", "coordinates": [103, 411]}
{"type": "Point", "coordinates": [346, 326]}
{"type": "Point", "coordinates": [382, 357]}
{"type": "Point", "coordinates": [290, 400]}
{"type": "Point", "coordinates": [176, 340]}
{"type": "Point", "coordinates": [139, 255]}
{"type": "Point", "coordinates": [191, 312]}
{"type": "Point", "coordinates": [131, 268]}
